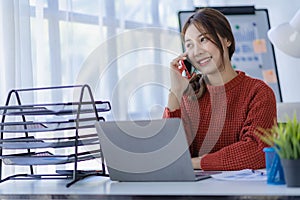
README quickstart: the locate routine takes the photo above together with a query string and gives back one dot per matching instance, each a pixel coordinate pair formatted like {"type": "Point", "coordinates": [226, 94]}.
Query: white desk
{"type": "Point", "coordinates": [96, 187]}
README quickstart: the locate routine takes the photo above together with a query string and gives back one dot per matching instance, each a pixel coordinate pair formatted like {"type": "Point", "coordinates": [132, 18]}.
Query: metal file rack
{"type": "Point", "coordinates": [64, 127]}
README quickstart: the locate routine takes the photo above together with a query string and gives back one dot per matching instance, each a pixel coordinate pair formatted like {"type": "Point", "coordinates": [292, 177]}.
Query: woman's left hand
{"type": "Point", "coordinates": [196, 162]}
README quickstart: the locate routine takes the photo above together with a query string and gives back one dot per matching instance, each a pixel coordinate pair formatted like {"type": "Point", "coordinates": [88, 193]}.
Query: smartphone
{"type": "Point", "coordinates": [186, 68]}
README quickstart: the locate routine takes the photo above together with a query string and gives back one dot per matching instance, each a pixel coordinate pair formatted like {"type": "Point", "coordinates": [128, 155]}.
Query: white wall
{"type": "Point", "coordinates": [280, 11]}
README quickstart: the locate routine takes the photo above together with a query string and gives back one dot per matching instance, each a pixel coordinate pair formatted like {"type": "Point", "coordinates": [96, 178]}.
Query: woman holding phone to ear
{"type": "Point", "coordinates": [221, 108]}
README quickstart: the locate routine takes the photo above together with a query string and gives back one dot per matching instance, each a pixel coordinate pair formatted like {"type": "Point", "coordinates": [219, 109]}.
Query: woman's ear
{"type": "Point", "coordinates": [228, 43]}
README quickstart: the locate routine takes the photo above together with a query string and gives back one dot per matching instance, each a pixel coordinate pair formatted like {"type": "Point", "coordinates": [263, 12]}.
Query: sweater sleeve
{"type": "Point", "coordinates": [171, 114]}
{"type": "Point", "coordinates": [181, 113]}
{"type": "Point", "coordinates": [248, 151]}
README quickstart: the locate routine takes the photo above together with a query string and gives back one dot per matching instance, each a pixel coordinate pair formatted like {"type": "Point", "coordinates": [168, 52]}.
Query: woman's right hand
{"type": "Point", "coordinates": [178, 83]}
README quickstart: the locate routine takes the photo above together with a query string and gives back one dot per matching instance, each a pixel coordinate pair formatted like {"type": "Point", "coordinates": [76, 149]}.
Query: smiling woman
{"type": "Point", "coordinates": [220, 107]}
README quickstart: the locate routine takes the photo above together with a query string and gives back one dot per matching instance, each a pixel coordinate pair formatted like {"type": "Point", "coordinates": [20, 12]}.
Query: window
{"type": "Point", "coordinates": [132, 74]}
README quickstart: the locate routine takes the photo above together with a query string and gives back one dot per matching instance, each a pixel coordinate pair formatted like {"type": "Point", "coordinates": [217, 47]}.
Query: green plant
{"type": "Point", "coordinates": [284, 137]}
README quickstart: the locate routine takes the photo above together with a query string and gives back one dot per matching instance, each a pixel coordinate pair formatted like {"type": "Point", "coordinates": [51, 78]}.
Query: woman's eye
{"type": "Point", "coordinates": [203, 39]}
{"type": "Point", "coordinates": [188, 45]}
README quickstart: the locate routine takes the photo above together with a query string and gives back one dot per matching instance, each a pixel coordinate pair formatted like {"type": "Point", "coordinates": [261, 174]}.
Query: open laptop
{"type": "Point", "coordinates": [147, 150]}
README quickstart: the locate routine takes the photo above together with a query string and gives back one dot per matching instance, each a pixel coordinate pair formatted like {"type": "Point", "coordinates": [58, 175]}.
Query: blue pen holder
{"type": "Point", "coordinates": [274, 169]}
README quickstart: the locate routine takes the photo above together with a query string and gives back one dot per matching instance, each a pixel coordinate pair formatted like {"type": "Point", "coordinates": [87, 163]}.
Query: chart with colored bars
{"type": "Point", "coordinates": [251, 51]}
{"type": "Point", "coordinates": [254, 53]}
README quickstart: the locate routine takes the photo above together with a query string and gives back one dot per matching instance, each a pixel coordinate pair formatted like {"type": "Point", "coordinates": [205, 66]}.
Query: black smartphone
{"type": "Point", "coordinates": [188, 65]}
{"type": "Point", "coordinates": [184, 69]}
{"type": "Point", "coordinates": [188, 68]}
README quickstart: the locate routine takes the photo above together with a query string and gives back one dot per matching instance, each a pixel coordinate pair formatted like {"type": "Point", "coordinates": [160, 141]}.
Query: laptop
{"type": "Point", "coordinates": [147, 150]}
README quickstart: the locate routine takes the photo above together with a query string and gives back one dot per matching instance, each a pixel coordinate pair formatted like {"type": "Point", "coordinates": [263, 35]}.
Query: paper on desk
{"type": "Point", "coordinates": [242, 175]}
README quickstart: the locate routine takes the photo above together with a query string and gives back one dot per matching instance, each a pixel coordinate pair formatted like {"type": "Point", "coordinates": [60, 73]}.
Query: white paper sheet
{"type": "Point", "coordinates": [242, 175]}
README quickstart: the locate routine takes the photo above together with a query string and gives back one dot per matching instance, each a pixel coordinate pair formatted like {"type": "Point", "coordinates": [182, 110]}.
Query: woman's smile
{"type": "Point", "coordinates": [204, 61]}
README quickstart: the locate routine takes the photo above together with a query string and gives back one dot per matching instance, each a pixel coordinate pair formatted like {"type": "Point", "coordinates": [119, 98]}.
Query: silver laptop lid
{"type": "Point", "coordinates": [148, 150]}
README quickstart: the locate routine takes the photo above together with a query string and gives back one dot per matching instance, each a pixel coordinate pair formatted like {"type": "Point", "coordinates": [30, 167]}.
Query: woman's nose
{"type": "Point", "coordinates": [198, 49]}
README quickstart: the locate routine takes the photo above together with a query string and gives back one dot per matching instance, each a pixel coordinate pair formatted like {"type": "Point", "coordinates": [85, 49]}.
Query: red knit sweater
{"type": "Point", "coordinates": [222, 124]}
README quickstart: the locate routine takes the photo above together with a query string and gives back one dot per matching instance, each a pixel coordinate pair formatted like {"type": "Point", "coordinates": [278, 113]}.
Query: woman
{"type": "Point", "coordinates": [221, 108]}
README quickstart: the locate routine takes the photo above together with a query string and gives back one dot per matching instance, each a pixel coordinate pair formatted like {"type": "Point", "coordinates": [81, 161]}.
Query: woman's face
{"type": "Point", "coordinates": [203, 54]}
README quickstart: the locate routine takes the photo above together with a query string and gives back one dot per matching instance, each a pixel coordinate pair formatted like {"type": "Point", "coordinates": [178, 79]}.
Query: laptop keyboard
{"type": "Point", "coordinates": [200, 175]}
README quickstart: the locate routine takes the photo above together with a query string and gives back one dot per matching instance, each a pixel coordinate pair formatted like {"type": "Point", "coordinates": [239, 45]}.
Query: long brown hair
{"type": "Point", "coordinates": [215, 24]}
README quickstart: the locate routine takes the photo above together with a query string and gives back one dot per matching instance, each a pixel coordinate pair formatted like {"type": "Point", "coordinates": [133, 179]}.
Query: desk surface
{"type": "Point", "coordinates": [95, 187]}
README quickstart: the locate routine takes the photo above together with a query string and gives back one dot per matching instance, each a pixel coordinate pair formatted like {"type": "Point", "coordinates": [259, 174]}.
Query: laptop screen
{"type": "Point", "coordinates": [148, 150]}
